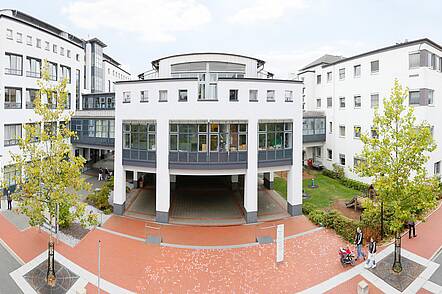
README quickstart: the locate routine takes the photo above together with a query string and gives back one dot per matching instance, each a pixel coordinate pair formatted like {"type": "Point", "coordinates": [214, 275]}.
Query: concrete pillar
{"type": "Point", "coordinates": [119, 172]}
{"type": "Point", "coordinates": [268, 180]}
{"type": "Point", "coordinates": [235, 180]}
{"type": "Point", "coordinates": [99, 154]}
{"type": "Point", "coordinates": [135, 179]}
{"type": "Point", "coordinates": [87, 153]}
{"type": "Point", "coordinates": [172, 182]}
{"type": "Point", "coordinates": [362, 287]}
{"type": "Point", "coordinates": [294, 190]}
{"type": "Point", "coordinates": [162, 175]}
{"type": "Point", "coordinates": [251, 176]}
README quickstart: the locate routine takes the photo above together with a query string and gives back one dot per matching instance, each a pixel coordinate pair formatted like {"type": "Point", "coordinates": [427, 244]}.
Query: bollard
{"type": "Point", "coordinates": [362, 287]}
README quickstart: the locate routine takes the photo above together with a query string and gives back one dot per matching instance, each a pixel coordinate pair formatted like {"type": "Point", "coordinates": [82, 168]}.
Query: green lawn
{"type": "Point", "coordinates": [328, 191]}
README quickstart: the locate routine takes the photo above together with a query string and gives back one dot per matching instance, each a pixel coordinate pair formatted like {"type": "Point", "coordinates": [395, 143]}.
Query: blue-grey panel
{"type": "Point", "coordinates": [202, 156]}
{"type": "Point", "coordinates": [271, 163]}
{"type": "Point", "coordinates": [152, 155]}
{"type": "Point", "coordinates": [242, 156]}
{"type": "Point", "coordinates": [140, 163]}
{"type": "Point", "coordinates": [313, 138]}
{"type": "Point", "coordinates": [196, 165]}
{"type": "Point", "coordinates": [143, 155]}
{"type": "Point", "coordinates": [133, 154]}
{"type": "Point", "coordinates": [193, 157]}
{"type": "Point", "coordinates": [126, 154]}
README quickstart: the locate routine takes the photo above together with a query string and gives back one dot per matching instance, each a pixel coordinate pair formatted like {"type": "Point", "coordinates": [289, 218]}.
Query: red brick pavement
{"type": "Point", "coordinates": [351, 285]}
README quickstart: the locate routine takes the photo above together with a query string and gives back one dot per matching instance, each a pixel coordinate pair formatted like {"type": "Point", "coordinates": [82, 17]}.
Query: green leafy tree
{"type": "Point", "coordinates": [395, 155]}
{"type": "Point", "coordinates": [50, 173]}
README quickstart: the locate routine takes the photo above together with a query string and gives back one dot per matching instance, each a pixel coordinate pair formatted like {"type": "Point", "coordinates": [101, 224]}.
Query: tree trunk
{"type": "Point", "coordinates": [397, 265]}
{"type": "Point", "coordinates": [50, 276]}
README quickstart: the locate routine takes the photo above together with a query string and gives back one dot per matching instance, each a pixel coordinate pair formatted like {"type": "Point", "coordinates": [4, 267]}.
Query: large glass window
{"type": "Point", "coordinates": [374, 100]}
{"type": "Point", "coordinates": [31, 94]}
{"type": "Point", "coordinates": [414, 59]}
{"type": "Point", "coordinates": [34, 66]}
{"type": "Point", "coordinates": [52, 71]}
{"type": "Point", "coordinates": [357, 71]}
{"type": "Point", "coordinates": [275, 136]}
{"type": "Point", "coordinates": [65, 73]}
{"type": "Point", "coordinates": [12, 134]}
{"type": "Point", "coordinates": [212, 137]}
{"type": "Point", "coordinates": [13, 98]}
{"type": "Point", "coordinates": [14, 65]}
{"type": "Point", "coordinates": [141, 136]}
{"type": "Point", "coordinates": [414, 97]}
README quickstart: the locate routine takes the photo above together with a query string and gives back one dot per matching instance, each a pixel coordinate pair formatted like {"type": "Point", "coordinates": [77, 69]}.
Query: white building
{"type": "Point", "coordinates": [208, 114]}
{"type": "Point", "coordinates": [347, 90]}
{"type": "Point", "coordinates": [24, 43]}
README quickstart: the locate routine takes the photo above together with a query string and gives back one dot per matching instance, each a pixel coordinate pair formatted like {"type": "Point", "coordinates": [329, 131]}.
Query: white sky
{"type": "Point", "coordinates": [286, 34]}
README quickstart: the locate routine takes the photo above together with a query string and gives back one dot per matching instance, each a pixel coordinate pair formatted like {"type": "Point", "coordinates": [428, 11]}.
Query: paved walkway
{"type": "Point", "coordinates": [310, 259]}
{"type": "Point", "coordinates": [7, 264]}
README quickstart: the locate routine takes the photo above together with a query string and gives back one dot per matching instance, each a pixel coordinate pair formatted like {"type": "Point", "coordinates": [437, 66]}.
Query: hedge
{"type": "Point", "coordinates": [332, 219]}
{"type": "Point", "coordinates": [353, 184]}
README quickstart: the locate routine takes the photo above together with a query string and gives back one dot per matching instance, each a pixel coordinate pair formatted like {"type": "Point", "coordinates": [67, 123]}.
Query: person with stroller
{"type": "Point", "coordinates": [371, 261]}
{"type": "Point", "coordinates": [359, 239]}
{"type": "Point", "coordinates": [100, 174]}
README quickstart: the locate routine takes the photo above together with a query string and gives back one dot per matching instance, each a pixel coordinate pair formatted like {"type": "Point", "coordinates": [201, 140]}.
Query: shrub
{"type": "Point", "coordinates": [100, 199]}
{"type": "Point", "coordinates": [332, 219]}
{"type": "Point", "coordinates": [337, 174]}
{"type": "Point", "coordinates": [65, 217]}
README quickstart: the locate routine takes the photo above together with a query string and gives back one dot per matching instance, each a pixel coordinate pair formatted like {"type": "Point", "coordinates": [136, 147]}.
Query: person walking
{"type": "Point", "coordinates": [371, 260]}
{"type": "Point", "coordinates": [106, 174]}
{"type": "Point", "coordinates": [9, 199]}
{"type": "Point", "coordinates": [359, 239]}
{"type": "Point", "coordinates": [411, 227]}
{"type": "Point", "coordinates": [100, 174]}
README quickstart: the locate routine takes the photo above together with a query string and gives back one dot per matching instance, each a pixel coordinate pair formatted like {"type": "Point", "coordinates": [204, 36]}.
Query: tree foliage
{"type": "Point", "coordinates": [50, 173]}
{"type": "Point", "coordinates": [396, 161]}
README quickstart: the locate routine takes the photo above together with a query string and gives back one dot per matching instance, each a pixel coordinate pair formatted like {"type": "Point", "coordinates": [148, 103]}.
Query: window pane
{"type": "Point", "coordinates": [213, 142]}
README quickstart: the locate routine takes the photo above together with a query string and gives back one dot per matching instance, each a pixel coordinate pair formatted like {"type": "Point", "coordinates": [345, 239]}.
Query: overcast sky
{"type": "Point", "coordinates": [286, 34]}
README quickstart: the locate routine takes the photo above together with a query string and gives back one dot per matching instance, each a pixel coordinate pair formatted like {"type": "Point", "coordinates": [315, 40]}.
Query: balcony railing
{"type": "Point", "coordinates": [10, 142]}
{"type": "Point", "coordinates": [30, 105]}
{"type": "Point", "coordinates": [207, 160]}
{"type": "Point", "coordinates": [12, 105]}
{"type": "Point", "coordinates": [13, 71]}
{"type": "Point", "coordinates": [140, 157]}
{"type": "Point", "coordinates": [275, 157]}
{"type": "Point", "coordinates": [33, 74]}
{"type": "Point", "coordinates": [95, 141]}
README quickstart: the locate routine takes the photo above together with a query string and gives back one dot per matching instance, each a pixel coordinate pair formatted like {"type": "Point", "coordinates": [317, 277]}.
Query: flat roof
{"type": "Point", "coordinates": [388, 48]}
{"type": "Point", "coordinates": [156, 62]}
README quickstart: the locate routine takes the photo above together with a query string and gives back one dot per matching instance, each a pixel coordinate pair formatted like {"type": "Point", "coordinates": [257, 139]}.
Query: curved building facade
{"type": "Point", "coordinates": [208, 114]}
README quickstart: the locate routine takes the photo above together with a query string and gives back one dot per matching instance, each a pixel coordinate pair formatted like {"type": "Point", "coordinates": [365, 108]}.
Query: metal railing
{"type": "Point", "coordinates": [13, 71]}
{"type": "Point", "coordinates": [33, 74]}
{"type": "Point", "coordinates": [12, 105]}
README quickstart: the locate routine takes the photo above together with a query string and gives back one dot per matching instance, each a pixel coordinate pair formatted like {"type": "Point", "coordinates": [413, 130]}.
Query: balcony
{"type": "Point", "coordinates": [93, 141]}
{"type": "Point", "coordinates": [98, 101]}
{"type": "Point", "coordinates": [12, 105]}
{"type": "Point", "coordinates": [13, 71]}
{"type": "Point", "coordinates": [137, 157]}
{"type": "Point", "coordinates": [313, 130]}
{"type": "Point", "coordinates": [33, 74]}
{"type": "Point", "coordinates": [207, 160]}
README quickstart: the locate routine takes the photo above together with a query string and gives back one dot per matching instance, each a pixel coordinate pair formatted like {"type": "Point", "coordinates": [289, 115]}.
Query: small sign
{"type": "Point", "coordinates": [280, 243]}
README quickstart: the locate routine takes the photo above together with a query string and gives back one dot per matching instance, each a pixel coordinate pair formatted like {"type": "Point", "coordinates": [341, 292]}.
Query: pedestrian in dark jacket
{"type": "Point", "coordinates": [9, 199]}
{"type": "Point", "coordinates": [372, 248]}
{"type": "Point", "coordinates": [359, 239]}
{"type": "Point", "coordinates": [411, 227]}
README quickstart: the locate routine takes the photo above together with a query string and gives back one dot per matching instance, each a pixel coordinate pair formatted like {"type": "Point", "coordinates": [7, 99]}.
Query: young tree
{"type": "Point", "coordinates": [395, 155]}
{"type": "Point", "coordinates": [50, 173]}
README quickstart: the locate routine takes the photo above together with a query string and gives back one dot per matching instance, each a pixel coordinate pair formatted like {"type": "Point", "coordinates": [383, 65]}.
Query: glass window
{"type": "Point", "coordinates": [318, 103]}
{"type": "Point", "coordinates": [173, 142]}
{"type": "Point", "coordinates": [342, 73]}
{"type": "Point", "coordinates": [374, 100]}
{"type": "Point", "coordinates": [182, 95]}
{"type": "Point", "coordinates": [29, 40]}
{"type": "Point", "coordinates": [19, 38]}
{"type": "Point", "coordinates": [163, 95]}
{"type": "Point", "coordinates": [414, 60]}
{"type": "Point", "coordinates": [31, 94]}
{"type": "Point", "coordinates": [14, 65]}
{"type": "Point", "coordinates": [437, 168]}
{"type": "Point", "coordinates": [414, 97]}
{"type": "Point", "coordinates": [65, 73]}
{"type": "Point", "coordinates": [9, 34]}
{"type": "Point", "coordinates": [288, 96]}
{"type": "Point", "coordinates": [329, 76]}
{"type": "Point", "coordinates": [330, 127]}
{"type": "Point", "coordinates": [262, 142]}
{"type": "Point", "coordinates": [202, 143]}
{"type": "Point", "coordinates": [374, 133]}
{"type": "Point", "coordinates": [329, 154]}
{"type": "Point", "coordinates": [233, 95]}
{"type": "Point", "coordinates": [52, 71]}
{"type": "Point", "coordinates": [430, 97]}
{"type": "Point", "coordinates": [253, 95]}
{"type": "Point", "coordinates": [357, 132]}
{"type": "Point", "coordinates": [13, 98]}
{"type": "Point", "coordinates": [34, 66]}
{"type": "Point", "coordinates": [342, 131]}
{"type": "Point", "coordinates": [329, 102]}
{"type": "Point", "coordinates": [126, 97]}
{"type": "Point", "coordinates": [54, 48]}
{"type": "Point", "coordinates": [357, 70]}
{"type": "Point", "coordinates": [213, 142]}
{"type": "Point", "coordinates": [46, 45]}
{"type": "Point", "coordinates": [318, 79]}
{"type": "Point", "coordinates": [342, 102]}
{"type": "Point", "coordinates": [12, 134]}
{"type": "Point", "coordinates": [144, 96]}
{"type": "Point", "coordinates": [270, 95]}
{"type": "Point", "coordinates": [357, 101]}
{"type": "Point", "coordinates": [342, 159]}
{"type": "Point", "coordinates": [374, 66]}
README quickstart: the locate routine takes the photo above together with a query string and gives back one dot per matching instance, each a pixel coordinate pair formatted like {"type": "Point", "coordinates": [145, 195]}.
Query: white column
{"type": "Point", "coordinates": [162, 176]}
{"type": "Point", "coordinates": [135, 179]}
{"type": "Point", "coordinates": [294, 178]}
{"type": "Point", "coordinates": [251, 176]}
{"type": "Point", "coordinates": [119, 172]}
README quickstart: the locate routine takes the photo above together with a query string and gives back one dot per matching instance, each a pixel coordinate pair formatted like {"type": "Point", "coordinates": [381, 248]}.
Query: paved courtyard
{"type": "Point", "coordinates": [208, 204]}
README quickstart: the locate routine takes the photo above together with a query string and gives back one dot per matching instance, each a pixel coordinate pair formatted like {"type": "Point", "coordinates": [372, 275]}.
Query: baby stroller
{"type": "Point", "coordinates": [346, 256]}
